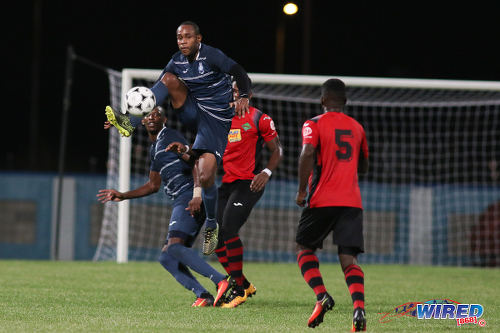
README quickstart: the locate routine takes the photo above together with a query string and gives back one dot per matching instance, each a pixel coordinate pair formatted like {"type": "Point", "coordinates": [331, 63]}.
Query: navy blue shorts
{"type": "Point", "coordinates": [211, 129]}
{"type": "Point", "coordinates": [182, 224]}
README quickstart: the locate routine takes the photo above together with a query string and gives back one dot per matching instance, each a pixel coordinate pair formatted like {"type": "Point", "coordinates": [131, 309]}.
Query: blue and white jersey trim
{"type": "Point", "coordinates": [204, 109]}
{"type": "Point", "coordinates": [197, 77]}
{"type": "Point", "coordinates": [180, 189]}
{"type": "Point", "coordinates": [169, 164]}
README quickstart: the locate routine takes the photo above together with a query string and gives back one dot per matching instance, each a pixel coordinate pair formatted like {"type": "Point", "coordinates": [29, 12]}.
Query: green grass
{"type": "Point", "coordinates": [47, 296]}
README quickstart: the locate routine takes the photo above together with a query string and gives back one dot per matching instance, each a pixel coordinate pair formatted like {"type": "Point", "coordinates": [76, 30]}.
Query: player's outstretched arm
{"type": "Point", "coordinates": [243, 83]}
{"type": "Point", "coordinates": [152, 186]}
{"type": "Point", "coordinates": [109, 195]}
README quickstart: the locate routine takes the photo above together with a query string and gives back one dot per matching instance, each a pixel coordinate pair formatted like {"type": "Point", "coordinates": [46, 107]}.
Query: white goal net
{"type": "Point", "coordinates": [431, 196]}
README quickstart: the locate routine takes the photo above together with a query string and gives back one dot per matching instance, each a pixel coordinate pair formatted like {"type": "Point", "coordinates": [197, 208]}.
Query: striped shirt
{"type": "Point", "coordinates": [176, 174]}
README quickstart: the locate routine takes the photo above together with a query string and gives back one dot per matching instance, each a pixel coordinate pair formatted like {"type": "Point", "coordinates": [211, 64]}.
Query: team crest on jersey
{"type": "Point", "coordinates": [201, 70]}
{"type": "Point", "coordinates": [246, 126]}
{"type": "Point", "coordinates": [306, 132]}
{"type": "Point", "coordinates": [234, 135]}
{"type": "Point", "coordinates": [271, 124]}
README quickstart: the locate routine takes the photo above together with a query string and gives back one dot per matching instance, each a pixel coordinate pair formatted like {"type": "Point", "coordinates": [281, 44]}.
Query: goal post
{"type": "Point", "coordinates": [433, 178]}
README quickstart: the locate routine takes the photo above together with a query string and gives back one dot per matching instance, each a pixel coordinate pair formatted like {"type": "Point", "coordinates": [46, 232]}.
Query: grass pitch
{"type": "Point", "coordinates": [46, 296]}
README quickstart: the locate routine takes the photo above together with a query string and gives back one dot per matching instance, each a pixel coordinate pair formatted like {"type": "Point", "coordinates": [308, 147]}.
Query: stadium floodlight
{"type": "Point", "coordinates": [290, 8]}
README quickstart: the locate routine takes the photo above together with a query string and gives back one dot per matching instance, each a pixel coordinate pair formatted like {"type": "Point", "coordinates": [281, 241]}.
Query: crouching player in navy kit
{"type": "Point", "coordinates": [181, 185]}
{"type": "Point", "coordinates": [198, 82]}
{"type": "Point", "coordinates": [334, 150]}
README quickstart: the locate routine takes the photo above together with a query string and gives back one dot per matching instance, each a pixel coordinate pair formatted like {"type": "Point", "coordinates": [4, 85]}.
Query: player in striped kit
{"type": "Point", "coordinates": [180, 183]}
{"type": "Point", "coordinates": [242, 186]}
{"type": "Point", "coordinates": [334, 151]}
{"type": "Point", "coordinates": [197, 80]}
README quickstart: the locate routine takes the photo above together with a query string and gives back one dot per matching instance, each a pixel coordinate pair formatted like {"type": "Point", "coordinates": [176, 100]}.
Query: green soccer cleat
{"type": "Point", "coordinates": [120, 121]}
{"type": "Point", "coordinates": [322, 306]}
{"type": "Point", "coordinates": [210, 241]}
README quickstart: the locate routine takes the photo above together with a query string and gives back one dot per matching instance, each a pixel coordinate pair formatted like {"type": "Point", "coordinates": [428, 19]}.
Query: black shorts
{"type": "Point", "coordinates": [346, 223]}
{"type": "Point", "coordinates": [234, 204]}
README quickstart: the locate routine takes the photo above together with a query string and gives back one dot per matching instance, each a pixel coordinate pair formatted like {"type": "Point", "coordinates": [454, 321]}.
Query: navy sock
{"type": "Point", "coordinates": [181, 274]}
{"type": "Point", "coordinates": [209, 196]}
{"type": "Point", "coordinates": [191, 259]}
{"type": "Point", "coordinates": [161, 92]}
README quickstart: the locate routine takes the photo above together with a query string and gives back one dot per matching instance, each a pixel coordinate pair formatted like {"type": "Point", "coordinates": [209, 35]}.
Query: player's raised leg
{"type": "Point", "coordinates": [170, 86]}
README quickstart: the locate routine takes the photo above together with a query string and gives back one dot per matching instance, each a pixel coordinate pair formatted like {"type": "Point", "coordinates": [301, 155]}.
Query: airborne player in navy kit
{"type": "Point", "coordinates": [198, 81]}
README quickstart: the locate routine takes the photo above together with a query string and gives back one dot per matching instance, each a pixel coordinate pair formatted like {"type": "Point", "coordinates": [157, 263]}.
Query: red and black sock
{"type": "Point", "coordinates": [355, 279]}
{"type": "Point", "coordinates": [222, 257]}
{"type": "Point", "coordinates": [234, 250]}
{"type": "Point", "coordinates": [309, 267]}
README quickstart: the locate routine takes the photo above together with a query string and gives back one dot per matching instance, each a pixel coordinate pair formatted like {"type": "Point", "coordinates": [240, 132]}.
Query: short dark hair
{"type": "Point", "coordinates": [194, 25]}
{"type": "Point", "coordinates": [334, 89]}
{"type": "Point", "coordinates": [162, 111]}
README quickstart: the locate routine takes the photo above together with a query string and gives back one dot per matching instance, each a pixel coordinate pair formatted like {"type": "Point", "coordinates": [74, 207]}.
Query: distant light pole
{"type": "Point", "coordinates": [289, 9]}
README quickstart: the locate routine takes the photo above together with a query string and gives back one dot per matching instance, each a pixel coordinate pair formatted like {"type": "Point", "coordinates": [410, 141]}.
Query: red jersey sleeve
{"type": "Point", "coordinates": [266, 128]}
{"type": "Point", "coordinates": [310, 133]}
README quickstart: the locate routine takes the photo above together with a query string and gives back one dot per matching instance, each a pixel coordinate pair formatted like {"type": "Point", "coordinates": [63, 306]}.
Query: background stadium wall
{"type": "Point", "coordinates": [429, 196]}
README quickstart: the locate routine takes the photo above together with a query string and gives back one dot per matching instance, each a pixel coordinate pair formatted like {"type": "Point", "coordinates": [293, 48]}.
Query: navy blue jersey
{"type": "Point", "coordinates": [176, 174]}
{"type": "Point", "coordinates": [207, 79]}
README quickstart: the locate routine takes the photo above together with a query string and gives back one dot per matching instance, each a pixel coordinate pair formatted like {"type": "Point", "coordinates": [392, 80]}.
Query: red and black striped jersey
{"type": "Point", "coordinates": [338, 139]}
{"type": "Point", "coordinates": [244, 144]}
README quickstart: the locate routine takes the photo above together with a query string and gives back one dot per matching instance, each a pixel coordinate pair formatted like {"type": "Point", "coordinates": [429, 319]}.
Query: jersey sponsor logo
{"type": "Point", "coordinates": [201, 70]}
{"type": "Point", "coordinates": [246, 126]}
{"type": "Point", "coordinates": [234, 135]}
{"type": "Point", "coordinates": [236, 204]}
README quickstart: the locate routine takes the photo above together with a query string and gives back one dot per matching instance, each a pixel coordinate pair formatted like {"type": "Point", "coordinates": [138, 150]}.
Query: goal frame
{"type": "Point", "coordinates": [129, 74]}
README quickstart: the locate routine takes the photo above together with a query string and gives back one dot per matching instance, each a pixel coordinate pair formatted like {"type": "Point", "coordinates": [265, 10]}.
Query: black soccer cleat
{"type": "Point", "coordinates": [322, 306]}
{"type": "Point", "coordinates": [358, 320]}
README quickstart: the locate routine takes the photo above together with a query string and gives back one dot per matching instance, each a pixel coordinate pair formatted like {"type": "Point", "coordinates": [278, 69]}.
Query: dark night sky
{"type": "Point", "coordinates": [362, 38]}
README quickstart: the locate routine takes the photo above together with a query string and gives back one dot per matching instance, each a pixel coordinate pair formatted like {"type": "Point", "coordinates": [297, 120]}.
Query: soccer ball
{"type": "Point", "coordinates": [140, 101]}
